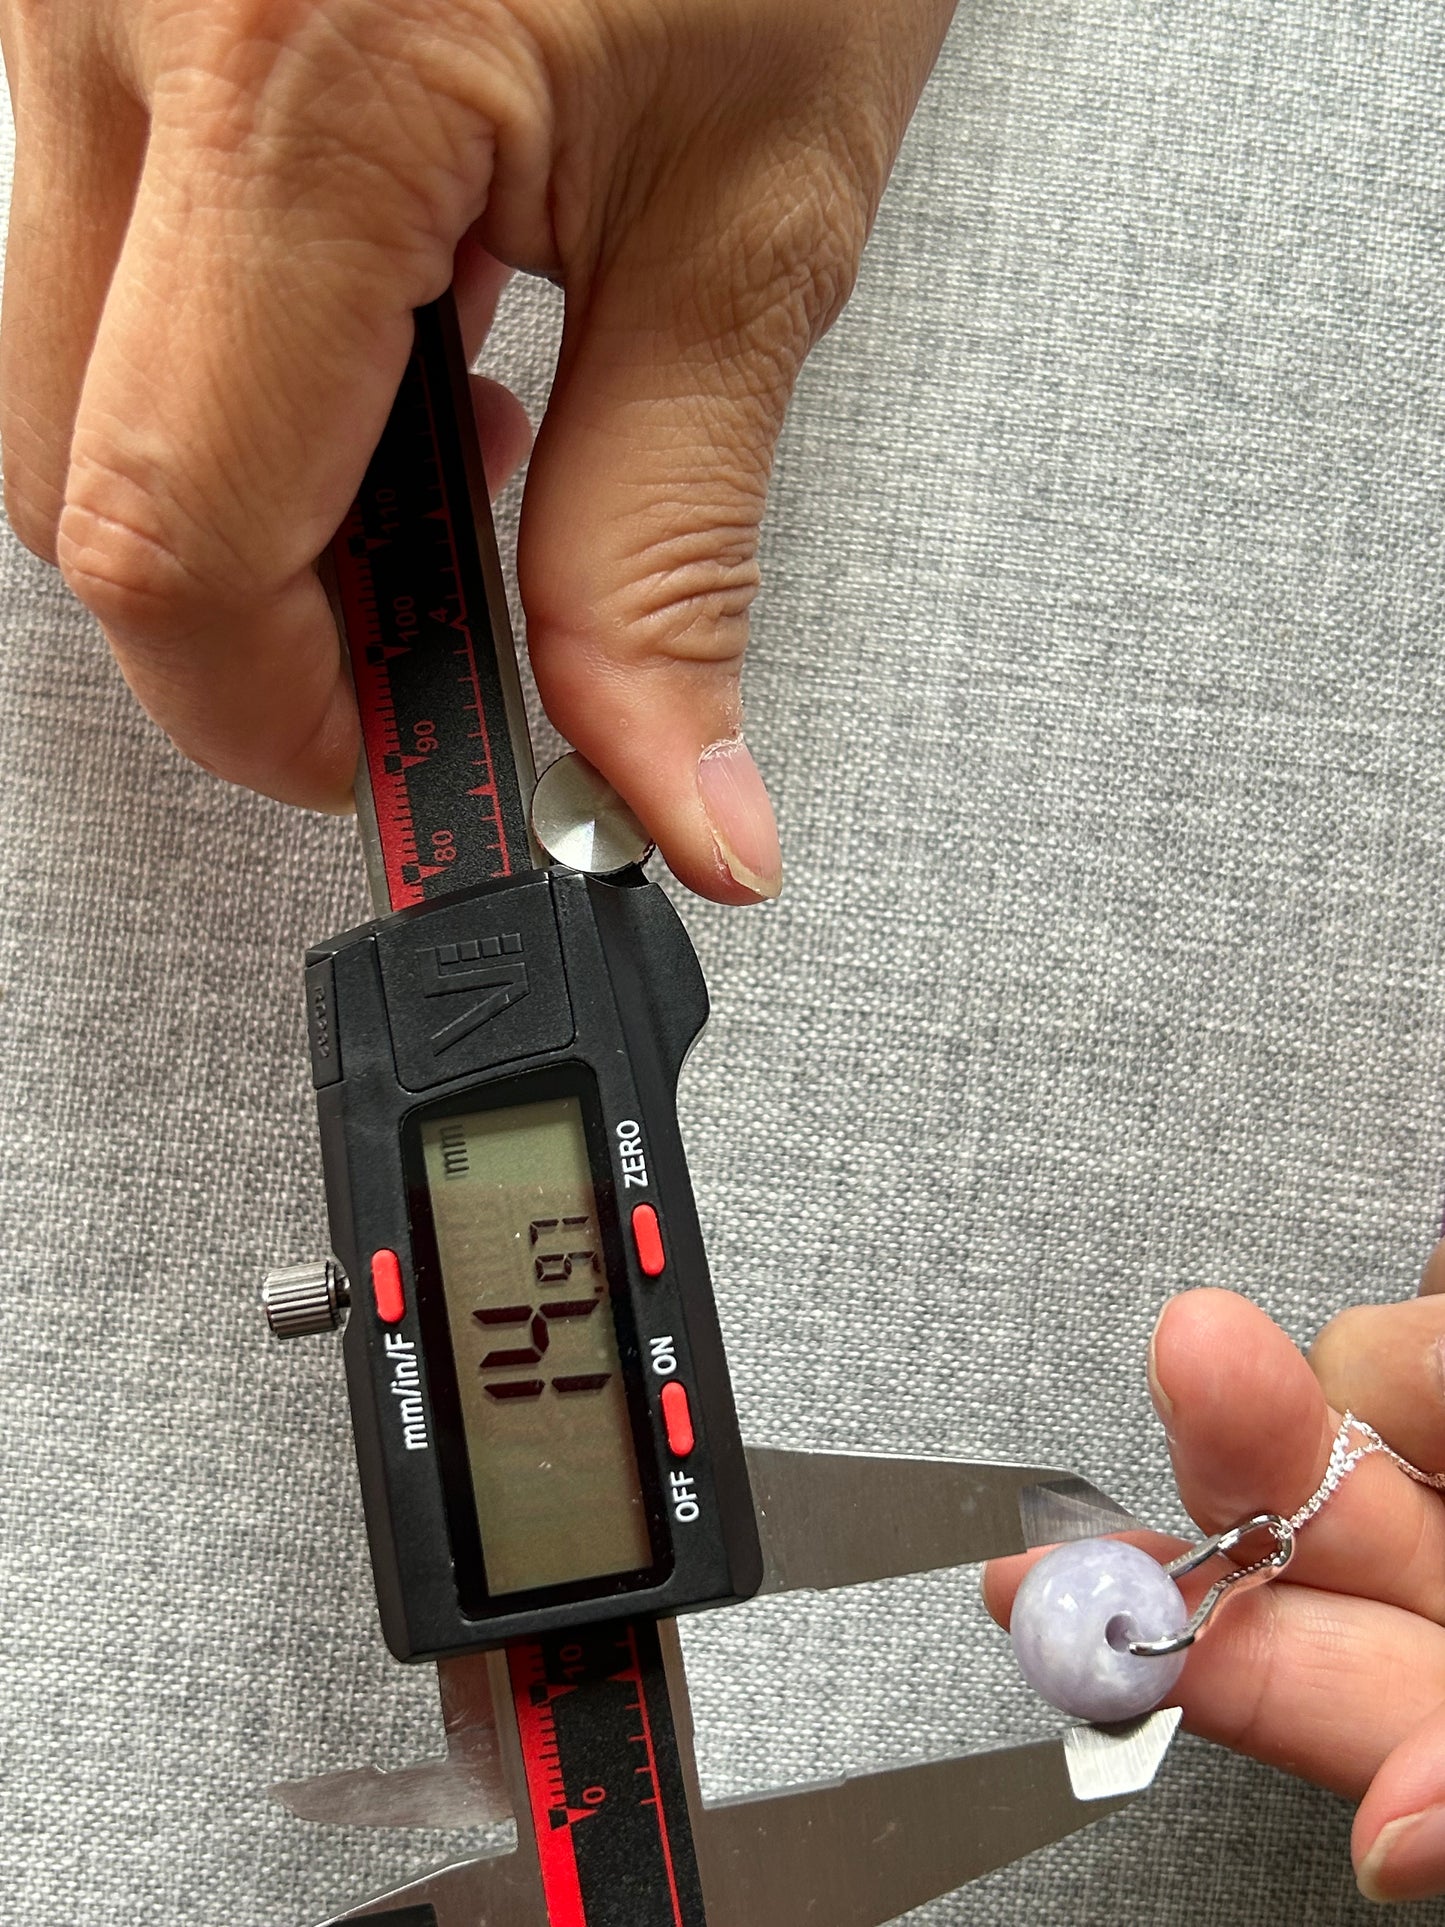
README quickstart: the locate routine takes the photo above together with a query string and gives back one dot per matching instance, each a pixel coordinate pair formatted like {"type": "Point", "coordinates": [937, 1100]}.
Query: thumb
{"type": "Point", "coordinates": [638, 560]}
{"type": "Point", "coordinates": [1399, 1833]}
{"type": "Point", "coordinates": [1386, 1363]}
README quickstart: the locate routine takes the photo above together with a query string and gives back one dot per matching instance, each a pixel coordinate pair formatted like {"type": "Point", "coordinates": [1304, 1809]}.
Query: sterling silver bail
{"type": "Point", "coordinates": [1241, 1579]}
{"type": "Point", "coordinates": [1354, 1441]}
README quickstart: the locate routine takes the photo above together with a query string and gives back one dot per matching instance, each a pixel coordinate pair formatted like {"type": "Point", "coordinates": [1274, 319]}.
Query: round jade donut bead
{"type": "Point", "coordinates": [1074, 1617]}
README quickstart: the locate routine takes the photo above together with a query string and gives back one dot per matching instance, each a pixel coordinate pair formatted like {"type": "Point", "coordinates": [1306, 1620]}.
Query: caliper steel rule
{"type": "Point", "coordinates": [524, 1151]}
{"type": "Point", "coordinates": [546, 1435]}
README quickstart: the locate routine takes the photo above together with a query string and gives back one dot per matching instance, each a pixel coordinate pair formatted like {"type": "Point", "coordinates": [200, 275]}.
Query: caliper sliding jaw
{"type": "Point", "coordinates": [855, 1852]}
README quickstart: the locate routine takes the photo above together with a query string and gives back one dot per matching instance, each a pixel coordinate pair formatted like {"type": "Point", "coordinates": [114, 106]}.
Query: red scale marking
{"type": "Point", "coordinates": [656, 1800]}
{"type": "Point", "coordinates": [405, 875]}
{"type": "Point", "coordinates": [463, 625]}
{"type": "Point", "coordinates": [537, 1731]}
{"type": "Point", "coordinates": [378, 714]}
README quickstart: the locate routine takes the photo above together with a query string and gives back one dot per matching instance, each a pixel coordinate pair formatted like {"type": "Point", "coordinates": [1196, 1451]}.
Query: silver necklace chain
{"type": "Point", "coordinates": [1344, 1457]}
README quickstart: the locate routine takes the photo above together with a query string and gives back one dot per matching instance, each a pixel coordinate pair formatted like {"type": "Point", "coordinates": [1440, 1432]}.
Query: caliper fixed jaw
{"type": "Point", "coordinates": [858, 1851]}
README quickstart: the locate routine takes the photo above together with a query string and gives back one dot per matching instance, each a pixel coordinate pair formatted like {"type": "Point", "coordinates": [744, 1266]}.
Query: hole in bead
{"type": "Point", "coordinates": [1120, 1630]}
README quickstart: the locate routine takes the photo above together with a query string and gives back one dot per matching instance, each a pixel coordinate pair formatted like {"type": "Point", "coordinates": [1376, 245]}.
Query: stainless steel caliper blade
{"type": "Point", "coordinates": [832, 1519]}
{"type": "Point", "coordinates": [505, 1892]}
{"type": "Point", "coordinates": [828, 1519]}
{"type": "Point", "coordinates": [467, 1788]}
{"type": "Point", "coordinates": [859, 1852]}
{"type": "Point", "coordinates": [500, 1889]}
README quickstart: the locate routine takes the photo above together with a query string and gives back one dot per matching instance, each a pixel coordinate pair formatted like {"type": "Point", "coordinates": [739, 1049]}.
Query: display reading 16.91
{"type": "Point", "coordinates": [543, 1400]}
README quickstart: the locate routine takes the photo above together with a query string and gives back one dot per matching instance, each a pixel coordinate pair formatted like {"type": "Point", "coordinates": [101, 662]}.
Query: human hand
{"type": "Point", "coordinates": [223, 217]}
{"type": "Point", "coordinates": [1335, 1671]}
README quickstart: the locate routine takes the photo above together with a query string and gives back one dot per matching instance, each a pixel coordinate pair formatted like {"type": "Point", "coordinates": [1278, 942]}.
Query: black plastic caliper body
{"type": "Point", "coordinates": [544, 1423]}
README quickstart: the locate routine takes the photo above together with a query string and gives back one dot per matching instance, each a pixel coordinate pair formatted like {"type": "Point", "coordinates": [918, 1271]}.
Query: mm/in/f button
{"type": "Point", "coordinates": [387, 1287]}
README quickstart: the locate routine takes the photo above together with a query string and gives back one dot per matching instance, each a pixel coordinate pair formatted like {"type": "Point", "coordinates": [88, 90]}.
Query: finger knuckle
{"type": "Point", "coordinates": [680, 590]}
{"type": "Point", "coordinates": [791, 261]}
{"type": "Point", "coordinates": [690, 595]}
{"type": "Point", "coordinates": [817, 243]}
{"type": "Point", "coordinates": [350, 104]}
{"type": "Point", "coordinates": [141, 579]}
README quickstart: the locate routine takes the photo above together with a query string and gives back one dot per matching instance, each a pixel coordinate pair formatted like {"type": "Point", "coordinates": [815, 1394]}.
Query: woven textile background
{"type": "Point", "coordinates": [1098, 676]}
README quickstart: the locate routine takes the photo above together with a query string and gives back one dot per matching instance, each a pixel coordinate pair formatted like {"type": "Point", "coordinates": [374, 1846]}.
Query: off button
{"type": "Point", "coordinates": [677, 1421]}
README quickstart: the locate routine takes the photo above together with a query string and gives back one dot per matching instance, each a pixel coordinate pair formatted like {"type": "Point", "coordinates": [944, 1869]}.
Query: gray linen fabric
{"type": "Point", "coordinates": [1098, 677]}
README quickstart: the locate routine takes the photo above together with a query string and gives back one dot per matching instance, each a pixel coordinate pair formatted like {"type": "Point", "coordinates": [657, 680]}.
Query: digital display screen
{"type": "Point", "coordinates": [543, 1403]}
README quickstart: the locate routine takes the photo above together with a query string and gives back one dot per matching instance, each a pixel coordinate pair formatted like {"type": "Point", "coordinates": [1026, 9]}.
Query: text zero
{"type": "Point", "coordinates": [631, 1154]}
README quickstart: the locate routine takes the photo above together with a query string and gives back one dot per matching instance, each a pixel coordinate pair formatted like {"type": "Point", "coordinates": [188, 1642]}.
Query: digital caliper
{"type": "Point", "coordinates": [550, 1462]}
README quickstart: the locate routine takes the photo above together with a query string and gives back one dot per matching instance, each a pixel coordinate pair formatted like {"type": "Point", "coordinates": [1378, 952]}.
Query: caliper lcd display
{"type": "Point", "coordinates": [543, 1401]}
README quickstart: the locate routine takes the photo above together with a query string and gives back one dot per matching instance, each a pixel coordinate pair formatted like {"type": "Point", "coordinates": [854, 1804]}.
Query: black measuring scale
{"type": "Point", "coordinates": [545, 1430]}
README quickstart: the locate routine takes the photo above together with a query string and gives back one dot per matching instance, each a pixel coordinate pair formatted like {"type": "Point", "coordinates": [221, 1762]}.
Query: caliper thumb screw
{"type": "Point", "coordinates": [301, 1300]}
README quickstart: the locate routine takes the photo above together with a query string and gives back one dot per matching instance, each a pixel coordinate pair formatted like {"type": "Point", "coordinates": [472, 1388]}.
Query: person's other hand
{"type": "Point", "coordinates": [1336, 1670]}
{"type": "Point", "coordinates": [224, 214]}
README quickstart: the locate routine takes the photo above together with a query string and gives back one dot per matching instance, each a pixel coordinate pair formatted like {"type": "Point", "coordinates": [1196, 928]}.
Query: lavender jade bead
{"type": "Point", "coordinates": [1063, 1617]}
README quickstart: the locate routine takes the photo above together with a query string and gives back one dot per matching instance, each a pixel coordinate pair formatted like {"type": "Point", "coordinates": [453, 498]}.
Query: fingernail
{"type": "Point", "coordinates": [1407, 1861]}
{"type": "Point", "coordinates": [740, 815]}
{"type": "Point", "coordinates": [1163, 1404]}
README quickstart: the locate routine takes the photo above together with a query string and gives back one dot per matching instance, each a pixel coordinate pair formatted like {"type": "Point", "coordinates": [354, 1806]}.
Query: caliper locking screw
{"type": "Point", "coordinates": [301, 1300]}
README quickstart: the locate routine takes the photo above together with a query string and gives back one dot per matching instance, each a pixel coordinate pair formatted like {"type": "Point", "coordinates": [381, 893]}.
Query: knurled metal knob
{"type": "Point", "coordinates": [302, 1300]}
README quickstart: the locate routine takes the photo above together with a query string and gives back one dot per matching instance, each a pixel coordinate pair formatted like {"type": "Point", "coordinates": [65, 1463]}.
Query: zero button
{"type": "Point", "coordinates": [647, 1236]}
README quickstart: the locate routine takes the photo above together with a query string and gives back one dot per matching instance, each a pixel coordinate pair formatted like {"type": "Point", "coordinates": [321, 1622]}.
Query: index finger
{"type": "Point", "coordinates": [1250, 1430]}
{"type": "Point", "coordinates": [253, 338]}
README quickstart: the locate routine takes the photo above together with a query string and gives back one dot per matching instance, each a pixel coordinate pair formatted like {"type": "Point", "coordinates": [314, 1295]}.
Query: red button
{"type": "Point", "coordinates": [387, 1286]}
{"type": "Point", "coordinates": [647, 1236]}
{"type": "Point", "coordinates": [677, 1417]}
